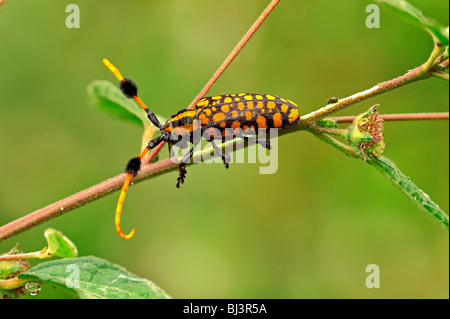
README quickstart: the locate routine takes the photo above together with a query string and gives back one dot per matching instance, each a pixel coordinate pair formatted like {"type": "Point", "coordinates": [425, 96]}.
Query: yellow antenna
{"type": "Point", "coordinates": [130, 90]}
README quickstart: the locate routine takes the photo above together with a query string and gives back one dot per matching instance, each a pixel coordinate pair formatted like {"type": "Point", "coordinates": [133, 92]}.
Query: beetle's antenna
{"type": "Point", "coordinates": [130, 90]}
{"type": "Point", "coordinates": [131, 169]}
{"type": "Point", "coordinates": [119, 208]}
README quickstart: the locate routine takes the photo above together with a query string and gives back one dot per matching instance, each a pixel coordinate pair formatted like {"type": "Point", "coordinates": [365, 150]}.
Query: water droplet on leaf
{"type": "Point", "coordinates": [33, 288]}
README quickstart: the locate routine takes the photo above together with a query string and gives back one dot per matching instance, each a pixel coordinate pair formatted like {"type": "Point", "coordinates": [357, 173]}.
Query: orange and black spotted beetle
{"type": "Point", "coordinates": [242, 115]}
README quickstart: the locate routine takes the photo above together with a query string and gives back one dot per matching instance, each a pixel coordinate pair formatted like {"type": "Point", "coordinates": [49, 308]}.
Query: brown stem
{"type": "Point", "coordinates": [225, 63]}
{"type": "Point", "coordinates": [236, 50]}
{"type": "Point", "coordinates": [81, 198]}
{"type": "Point", "coordinates": [41, 254]}
{"type": "Point", "coordinates": [440, 75]}
{"type": "Point", "coordinates": [414, 75]}
{"type": "Point", "coordinates": [113, 184]}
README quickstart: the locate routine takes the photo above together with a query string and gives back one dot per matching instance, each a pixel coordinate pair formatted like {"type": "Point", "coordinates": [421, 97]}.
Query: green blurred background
{"type": "Point", "coordinates": [308, 231]}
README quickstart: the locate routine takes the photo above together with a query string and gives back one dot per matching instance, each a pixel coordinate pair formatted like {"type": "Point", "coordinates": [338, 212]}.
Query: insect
{"type": "Point", "coordinates": [332, 100]}
{"type": "Point", "coordinates": [242, 115]}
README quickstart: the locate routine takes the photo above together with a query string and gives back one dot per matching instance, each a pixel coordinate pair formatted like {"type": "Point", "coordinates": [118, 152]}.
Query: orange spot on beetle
{"type": "Point", "coordinates": [203, 119]}
{"type": "Point", "coordinates": [277, 122]}
{"type": "Point", "coordinates": [235, 124]}
{"type": "Point", "coordinates": [271, 105]}
{"type": "Point", "coordinates": [261, 120]}
{"type": "Point", "coordinates": [293, 115]}
{"type": "Point", "coordinates": [218, 117]}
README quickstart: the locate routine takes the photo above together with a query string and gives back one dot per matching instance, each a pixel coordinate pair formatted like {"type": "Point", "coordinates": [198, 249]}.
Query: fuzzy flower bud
{"type": "Point", "coordinates": [365, 134]}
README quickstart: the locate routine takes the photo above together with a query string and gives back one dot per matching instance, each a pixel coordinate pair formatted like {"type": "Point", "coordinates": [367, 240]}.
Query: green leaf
{"type": "Point", "coordinates": [107, 97]}
{"type": "Point", "coordinates": [327, 123]}
{"type": "Point", "coordinates": [392, 173]}
{"type": "Point", "coordinates": [8, 294]}
{"type": "Point", "coordinates": [92, 277]}
{"type": "Point", "coordinates": [415, 16]}
{"type": "Point", "coordinates": [7, 268]}
{"type": "Point", "coordinates": [59, 245]}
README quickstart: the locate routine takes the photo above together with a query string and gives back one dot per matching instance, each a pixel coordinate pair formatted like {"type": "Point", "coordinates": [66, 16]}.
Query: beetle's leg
{"type": "Point", "coordinates": [182, 176]}
{"type": "Point", "coordinates": [263, 141]}
{"type": "Point", "coordinates": [225, 157]}
{"type": "Point", "coordinates": [182, 165]}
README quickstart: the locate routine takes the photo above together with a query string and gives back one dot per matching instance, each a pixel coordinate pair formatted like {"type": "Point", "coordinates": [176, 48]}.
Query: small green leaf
{"type": "Point", "coordinates": [8, 294]}
{"type": "Point", "coordinates": [92, 277]}
{"type": "Point", "coordinates": [393, 174]}
{"type": "Point", "coordinates": [7, 268]}
{"type": "Point", "coordinates": [415, 16]}
{"type": "Point", "coordinates": [59, 245]}
{"type": "Point", "coordinates": [327, 123]}
{"type": "Point", "coordinates": [107, 97]}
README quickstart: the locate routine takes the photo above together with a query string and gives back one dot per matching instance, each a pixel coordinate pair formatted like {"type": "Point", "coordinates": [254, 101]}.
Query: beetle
{"type": "Point", "coordinates": [242, 115]}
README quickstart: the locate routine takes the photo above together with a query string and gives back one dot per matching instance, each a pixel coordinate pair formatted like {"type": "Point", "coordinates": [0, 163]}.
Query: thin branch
{"type": "Point", "coordinates": [398, 117]}
{"type": "Point", "coordinates": [342, 133]}
{"type": "Point", "coordinates": [437, 51]}
{"type": "Point", "coordinates": [236, 50]}
{"type": "Point", "coordinates": [225, 64]}
{"type": "Point", "coordinates": [347, 150]}
{"type": "Point", "coordinates": [440, 75]}
{"type": "Point", "coordinates": [81, 198]}
{"type": "Point", "coordinates": [41, 254]}
{"type": "Point", "coordinates": [414, 75]}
